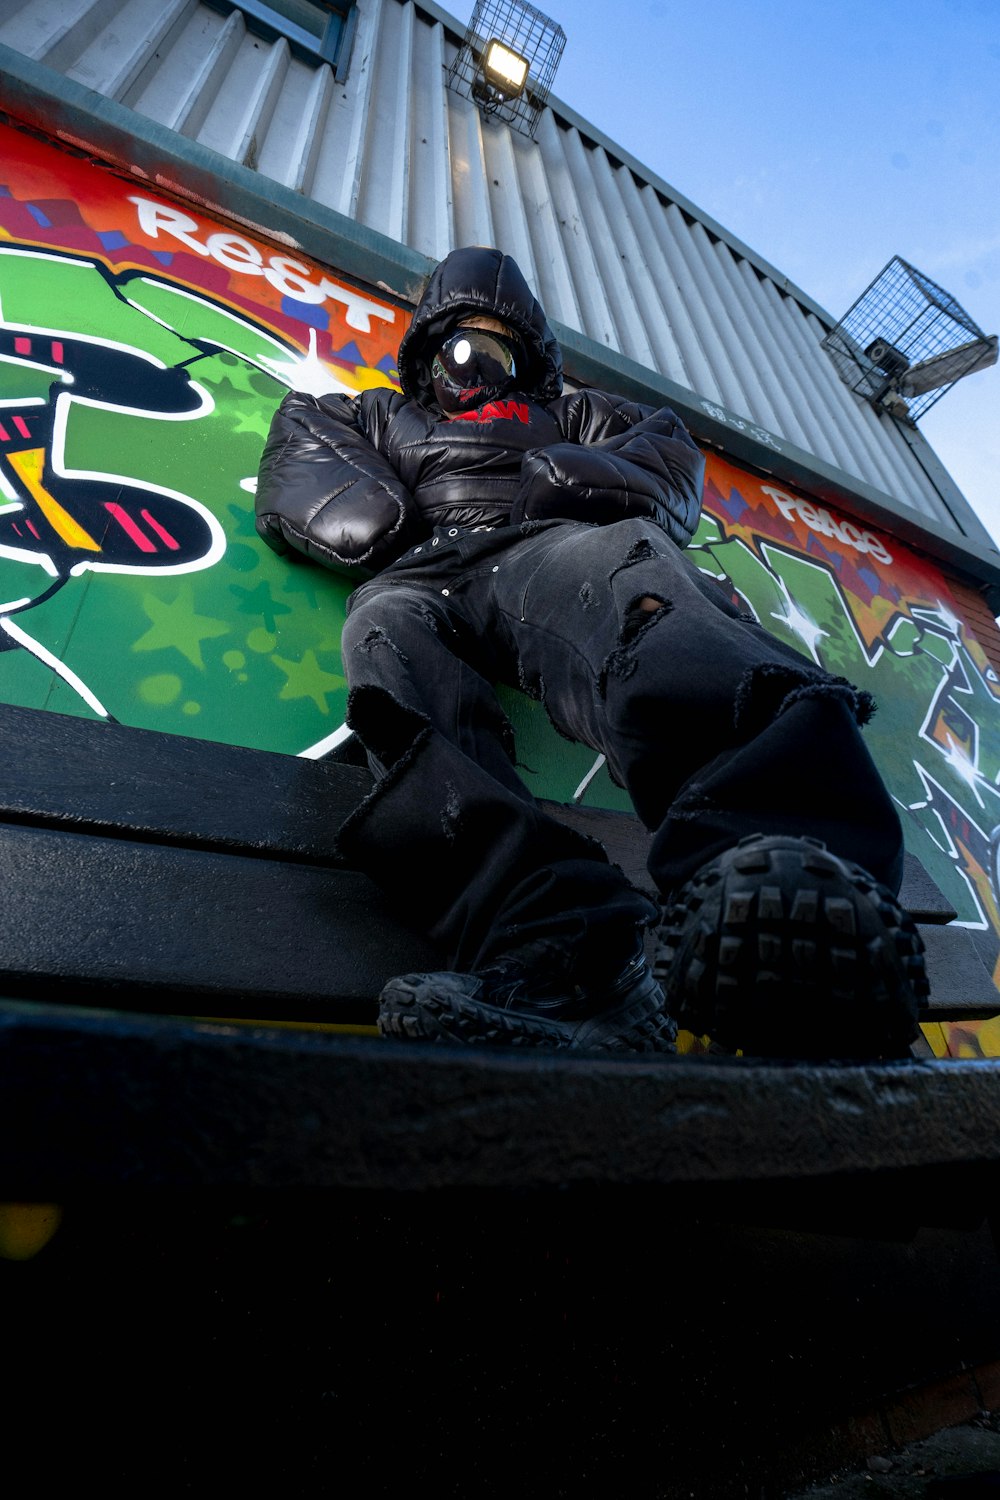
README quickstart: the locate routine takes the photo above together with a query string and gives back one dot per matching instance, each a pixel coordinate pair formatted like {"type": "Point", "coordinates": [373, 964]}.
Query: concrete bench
{"type": "Point", "coordinates": [182, 955]}
{"type": "Point", "coordinates": [154, 873]}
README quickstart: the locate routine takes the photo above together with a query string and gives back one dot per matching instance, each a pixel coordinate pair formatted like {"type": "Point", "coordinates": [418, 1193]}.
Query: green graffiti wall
{"type": "Point", "coordinates": [143, 349]}
{"type": "Point", "coordinates": [142, 353]}
{"type": "Point", "coordinates": [859, 603]}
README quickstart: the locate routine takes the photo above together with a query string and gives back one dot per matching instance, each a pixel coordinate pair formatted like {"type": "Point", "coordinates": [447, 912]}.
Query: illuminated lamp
{"type": "Point", "coordinates": [504, 69]}
{"type": "Point", "coordinates": [507, 60]}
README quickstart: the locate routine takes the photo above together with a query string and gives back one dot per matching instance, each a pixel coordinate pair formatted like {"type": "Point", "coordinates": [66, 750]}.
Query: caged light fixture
{"type": "Point", "coordinates": [906, 341]}
{"type": "Point", "coordinates": [507, 61]}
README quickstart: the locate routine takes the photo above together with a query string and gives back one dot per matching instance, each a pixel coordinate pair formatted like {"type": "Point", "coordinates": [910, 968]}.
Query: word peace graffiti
{"type": "Point", "coordinates": [821, 521]}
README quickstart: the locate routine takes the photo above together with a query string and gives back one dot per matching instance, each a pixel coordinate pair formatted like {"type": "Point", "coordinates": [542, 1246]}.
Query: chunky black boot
{"type": "Point", "coordinates": [517, 1003]}
{"type": "Point", "coordinates": [777, 948]}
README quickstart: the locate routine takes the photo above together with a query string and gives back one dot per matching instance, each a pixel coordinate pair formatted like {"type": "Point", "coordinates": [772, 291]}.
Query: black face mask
{"type": "Point", "coordinates": [474, 365]}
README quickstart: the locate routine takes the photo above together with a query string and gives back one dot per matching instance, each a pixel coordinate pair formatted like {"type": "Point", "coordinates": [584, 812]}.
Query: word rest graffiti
{"type": "Point", "coordinates": [143, 349]}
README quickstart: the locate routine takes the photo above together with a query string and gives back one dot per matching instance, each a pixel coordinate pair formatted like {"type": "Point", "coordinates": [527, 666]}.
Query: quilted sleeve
{"type": "Point", "coordinates": [325, 490]}
{"type": "Point", "coordinates": [619, 459]}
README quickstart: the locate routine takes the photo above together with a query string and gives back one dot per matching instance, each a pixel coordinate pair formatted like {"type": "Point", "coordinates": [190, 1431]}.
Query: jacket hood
{"type": "Point", "coordinates": [482, 281]}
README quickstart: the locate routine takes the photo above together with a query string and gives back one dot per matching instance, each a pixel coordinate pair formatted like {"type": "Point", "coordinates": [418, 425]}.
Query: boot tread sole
{"type": "Point", "coordinates": [779, 948]}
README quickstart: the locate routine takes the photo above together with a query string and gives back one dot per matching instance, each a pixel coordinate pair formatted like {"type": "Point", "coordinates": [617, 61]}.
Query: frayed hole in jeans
{"type": "Point", "coordinates": [385, 728]}
{"type": "Point", "coordinates": [644, 611]}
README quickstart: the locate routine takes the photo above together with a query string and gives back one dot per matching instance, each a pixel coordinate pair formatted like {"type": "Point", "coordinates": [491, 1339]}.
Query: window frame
{"type": "Point", "coordinates": [333, 46]}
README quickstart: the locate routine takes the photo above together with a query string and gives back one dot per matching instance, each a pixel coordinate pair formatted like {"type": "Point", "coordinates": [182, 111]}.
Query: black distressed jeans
{"type": "Point", "coordinates": [716, 729]}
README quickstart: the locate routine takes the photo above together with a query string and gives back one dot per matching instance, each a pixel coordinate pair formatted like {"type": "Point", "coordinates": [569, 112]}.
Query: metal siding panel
{"type": "Point", "coordinates": [653, 232]}
{"type": "Point", "coordinates": [34, 29]}
{"type": "Point", "coordinates": [660, 303]}
{"type": "Point", "coordinates": [340, 157]}
{"type": "Point", "coordinates": [786, 363]}
{"type": "Point", "coordinates": [858, 420]}
{"type": "Point", "coordinates": [509, 218]}
{"type": "Point", "coordinates": [555, 283]}
{"type": "Point", "coordinates": [185, 17]}
{"type": "Point", "coordinates": [591, 313]}
{"type": "Point", "coordinates": [56, 32]}
{"type": "Point", "coordinates": [854, 447]}
{"type": "Point", "coordinates": [622, 262]}
{"type": "Point", "coordinates": [263, 102]}
{"type": "Point", "coordinates": [178, 90]}
{"type": "Point", "coordinates": [383, 199]}
{"type": "Point", "coordinates": [625, 332]}
{"type": "Point", "coordinates": [796, 420]}
{"type": "Point", "coordinates": [116, 58]}
{"type": "Point", "coordinates": [951, 505]}
{"type": "Point", "coordinates": [244, 104]}
{"type": "Point", "coordinates": [857, 448]}
{"type": "Point", "coordinates": [731, 329]}
{"type": "Point", "coordinates": [473, 214]}
{"type": "Point", "coordinates": [904, 478]}
{"type": "Point", "coordinates": [288, 150]}
{"type": "Point", "coordinates": [432, 225]}
{"type": "Point", "coordinates": [694, 285]}
{"type": "Point", "coordinates": [639, 263]}
{"type": "Point", "coordinates": [916, 489]}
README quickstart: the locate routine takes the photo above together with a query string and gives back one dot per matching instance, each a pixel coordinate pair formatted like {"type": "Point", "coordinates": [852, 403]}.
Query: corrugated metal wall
{"type": "Point", "coordinates": [608, 252]}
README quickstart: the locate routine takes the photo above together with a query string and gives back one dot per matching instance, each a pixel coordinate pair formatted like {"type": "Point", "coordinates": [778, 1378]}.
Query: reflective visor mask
{"type": "Point", "coordinates": [472, 366]}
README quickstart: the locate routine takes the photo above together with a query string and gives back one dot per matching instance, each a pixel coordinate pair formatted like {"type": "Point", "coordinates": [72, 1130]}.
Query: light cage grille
{"type": "Point", "coordinates": [524, 30]}
{"type": "Point", "coordinates": [906, 341]}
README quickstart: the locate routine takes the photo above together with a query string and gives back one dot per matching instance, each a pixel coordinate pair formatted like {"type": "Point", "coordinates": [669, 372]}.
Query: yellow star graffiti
{"type": "Point", "coordinates": [176, 625]}
{"type": "Point", "coordinates": [307, 679]}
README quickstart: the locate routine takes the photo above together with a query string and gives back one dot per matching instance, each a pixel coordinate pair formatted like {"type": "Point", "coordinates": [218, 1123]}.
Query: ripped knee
{"type": "Point", "coordinates": [385, 727]}
{"type": "Point", "coordinates": [643, 612]}
{"type": "Point", "coordinates": [375, 638]}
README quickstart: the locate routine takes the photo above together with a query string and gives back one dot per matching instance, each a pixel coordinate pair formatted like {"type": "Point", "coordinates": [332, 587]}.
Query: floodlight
{"type": "Point", "coordinates": [507, 61]}
{"type": "Point", "coordinates": [504, 69]}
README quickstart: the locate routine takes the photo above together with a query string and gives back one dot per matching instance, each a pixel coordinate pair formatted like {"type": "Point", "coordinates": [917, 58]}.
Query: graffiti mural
{"type": "Point", "coordinates": [861, 604]}
{"type": "Point", "coordinates": [142, 353]}
{"type": "Point", "coordinates": [143, 349]}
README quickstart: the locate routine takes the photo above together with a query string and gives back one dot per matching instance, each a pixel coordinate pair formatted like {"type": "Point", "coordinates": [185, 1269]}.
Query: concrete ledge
{"type": "Point", "coordinates": [92, 1099]}
{"type": "Point", "coordinates": [492, 1273]}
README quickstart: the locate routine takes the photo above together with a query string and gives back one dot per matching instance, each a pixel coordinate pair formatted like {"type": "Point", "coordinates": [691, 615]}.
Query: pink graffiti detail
{"type": "Point", "coordinates": [127, 524]}
{"type": "Point", "coordinates": [22, 346]}
{"type": "Point", "coordinates": [4, 434]}
{"type": "Point", "coordinates": [57, 351]}
{"type": "Point", "coordinates": [32, 528]}
{"type": "Point", "coordinates": [22, 427]}
{"type": "Point", "coordinates": [163, 535]}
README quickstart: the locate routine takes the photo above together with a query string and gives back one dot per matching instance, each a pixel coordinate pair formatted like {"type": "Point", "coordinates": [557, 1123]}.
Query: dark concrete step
{"type": "Point", "coordinates": [151, 871]}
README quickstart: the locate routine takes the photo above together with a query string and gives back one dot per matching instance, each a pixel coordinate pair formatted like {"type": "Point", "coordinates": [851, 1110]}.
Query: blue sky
{"type": "Point", "coordinates": [829, 138]}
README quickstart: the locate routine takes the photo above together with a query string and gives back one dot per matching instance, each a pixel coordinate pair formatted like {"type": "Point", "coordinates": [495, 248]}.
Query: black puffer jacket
{"type": "Point", "coordinates": [354, 482]}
